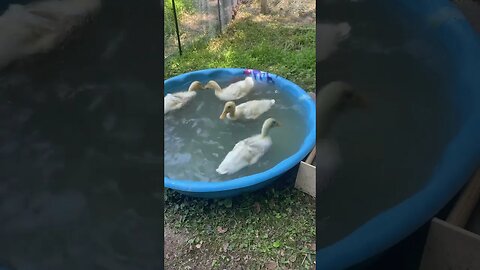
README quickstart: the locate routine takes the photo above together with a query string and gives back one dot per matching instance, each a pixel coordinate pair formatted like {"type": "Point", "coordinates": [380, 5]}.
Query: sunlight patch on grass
{"type": "Point", "coordinates": [283, 50]}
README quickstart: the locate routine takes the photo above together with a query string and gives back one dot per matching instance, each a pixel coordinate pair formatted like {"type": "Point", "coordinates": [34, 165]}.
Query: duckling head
{"type": "Point", "coordinates": [212, 85]}
{"type": "Point", "coordinates": [228, 108]}
{"type": "Point", "coordinates": [334, 98]}
{"type": "Point", "coordinates": [194, 86]}
{"type": "Point", "coordinates": [268, 124]}
{"type": "Point", "coordinates": [339, 96]}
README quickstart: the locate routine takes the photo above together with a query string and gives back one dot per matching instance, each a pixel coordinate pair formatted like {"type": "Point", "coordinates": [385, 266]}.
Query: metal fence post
{"type": "Point", "coordinates": [176, 27]}
{"type": "Point", "coordinates": [219, 16]}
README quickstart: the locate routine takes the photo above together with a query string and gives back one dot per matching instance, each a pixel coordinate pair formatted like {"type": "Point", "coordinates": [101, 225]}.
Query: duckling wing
{"type": "Point", "coordinates": [39, 26]}
{"type": "Point", "coordinates": [332, 35]}
{"type": "Point", "coordinates": [237, 90]}
{"type": "Point", "coordinates": [177, 100]}
{"type": "Point", "coordinates": [257, 147]}
{"type": "Point", "coordinates": [254, 108]}
{"type": "Point", "coordinates": [246, 152]}
{"type": "Point", "coordinates": [235, 160]}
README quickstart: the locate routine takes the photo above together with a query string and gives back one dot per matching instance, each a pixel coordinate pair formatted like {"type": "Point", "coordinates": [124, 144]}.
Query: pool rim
{"type": "Point", "coordinates": [245, 182]}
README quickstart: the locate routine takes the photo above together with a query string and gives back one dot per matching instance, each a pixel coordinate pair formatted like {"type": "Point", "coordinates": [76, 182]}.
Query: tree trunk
{"type": "Point", "coordinates": [263, 6]}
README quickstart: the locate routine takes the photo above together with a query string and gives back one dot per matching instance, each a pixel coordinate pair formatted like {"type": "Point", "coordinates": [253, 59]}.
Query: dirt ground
{"type": "Point", "coordinates": [263, 230]}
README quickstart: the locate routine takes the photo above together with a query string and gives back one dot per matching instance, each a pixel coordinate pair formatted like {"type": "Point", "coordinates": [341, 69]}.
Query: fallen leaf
{"type": "Point", "coordinates": [276, 244]}
{"type": "Point", "coordinates": [257, 207]}
{"type": "Point", "coordinates": [228, 203]}
{"type": "Point", "coordinates": [272, 203]}
{"type": "Point", "coordinates": [312, 246]}
{"type": "Point", "coordinates": [271, 265]}
{"type": "Point", "coordinates": [221, 229]}
{"type": "Point", "coordinates": [282, 252]}
{"type": "Point", "coordinates": [198, 245]}
{"type": "Point", "coordinates": [292, 258]}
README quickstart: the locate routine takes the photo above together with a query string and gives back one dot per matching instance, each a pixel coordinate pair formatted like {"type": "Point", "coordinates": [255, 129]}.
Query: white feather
{"type": "Point", "coordinates": [245, 153]}
{"type": "Point", "coordinates": [236, 90]}
{"type": "Point", "coordinates": [329, 36]}
{"type": "Point", "coordinates": [251, 110]}
{"type": "Point", "coordinates": [176, 101]}
{"type": "Point", "coordinates": [39, 26]}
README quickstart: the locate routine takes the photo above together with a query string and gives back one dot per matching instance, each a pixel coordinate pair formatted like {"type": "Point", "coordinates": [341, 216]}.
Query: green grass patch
{"type": "Point", "coordinates": [182, 7]}
{"type": "Point", "coordinates": [277, 225]}
{"type": "Point", "coordinates": [280, 49]}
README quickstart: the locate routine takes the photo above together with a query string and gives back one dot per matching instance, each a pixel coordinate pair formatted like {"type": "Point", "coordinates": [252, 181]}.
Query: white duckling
{"type": "Point", "coordinates": [234, 91]}
{"type": "Point", "coordinates": [333, 98]}
{"type": "Point", "coordinates": [329, 36]}
{"type": "Point", "coordinates": [249, 110]}
{"type": "Point", "coordinates": [40, 26]}
{"type": "Point", "coordinates": [177, 100]}
{"type": "Point", "coordinates": [248, 151]}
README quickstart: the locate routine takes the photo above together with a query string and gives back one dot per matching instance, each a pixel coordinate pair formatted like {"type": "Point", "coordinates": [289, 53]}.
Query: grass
{"type": "Point", "coordinates": [181, 7]}
{"type": "Point", "coordinates": [265, 45]}
{"type": "Point", "coordinates": [272, 228]}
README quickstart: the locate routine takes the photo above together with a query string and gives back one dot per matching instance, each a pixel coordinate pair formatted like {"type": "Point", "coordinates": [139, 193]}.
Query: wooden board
{"type": "Point", "coordinates": [306, 179]}
{"type": "Point", "coordinates": [449, 247]}
{"type": "Point", "coordinates": [471, 10]}
{"type": "Point", "coordinates": [469, 197]}
{"type": "Point", "coordinates": [473, 224]}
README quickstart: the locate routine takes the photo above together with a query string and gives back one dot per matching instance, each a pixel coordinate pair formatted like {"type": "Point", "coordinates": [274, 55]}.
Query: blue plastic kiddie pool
{"type": "Point", "coordinates": [256, 181]}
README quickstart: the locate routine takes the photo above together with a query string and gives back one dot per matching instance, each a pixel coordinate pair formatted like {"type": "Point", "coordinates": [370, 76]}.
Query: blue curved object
{"type": "Point", "coordinates": [256, 181]}
{"type": "Point", "coordinates": [439, 21]}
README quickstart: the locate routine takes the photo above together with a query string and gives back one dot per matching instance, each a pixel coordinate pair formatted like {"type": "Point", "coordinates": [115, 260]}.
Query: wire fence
{"type": "Point", "coordinates": [187, 21]}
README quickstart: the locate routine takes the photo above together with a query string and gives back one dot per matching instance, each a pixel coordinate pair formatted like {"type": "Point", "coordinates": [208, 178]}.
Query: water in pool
{"type": "Point", "coordinates": [80, 156]}
{"type": "Point", "coordinates": [196, 140]}
{"type": "Point", "coordinates": [390, 149]}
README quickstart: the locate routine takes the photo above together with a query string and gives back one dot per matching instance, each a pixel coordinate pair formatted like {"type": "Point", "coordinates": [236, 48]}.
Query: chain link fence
{"type": "Point", "coordinates": [187, 21]}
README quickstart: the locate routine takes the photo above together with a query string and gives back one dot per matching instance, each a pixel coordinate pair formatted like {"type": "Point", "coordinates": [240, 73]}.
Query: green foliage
{"type": "Point", "coordinates": [182, 7]}
{"type": "Point", "coordinates": [270, 225]}
{"type": "Point", "coordinates": [276, 48]}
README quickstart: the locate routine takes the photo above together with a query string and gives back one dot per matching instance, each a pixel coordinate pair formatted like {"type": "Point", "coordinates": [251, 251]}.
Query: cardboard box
{"type": "Point", "coordinates": [450, 244]}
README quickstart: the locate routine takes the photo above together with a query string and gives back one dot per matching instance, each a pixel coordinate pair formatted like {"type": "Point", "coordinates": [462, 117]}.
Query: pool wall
{"type": "Point", "coordinates": [442, 23]}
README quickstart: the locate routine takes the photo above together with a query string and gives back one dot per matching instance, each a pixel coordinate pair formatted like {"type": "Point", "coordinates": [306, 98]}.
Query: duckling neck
{"type": "Point", "coordinates": [217, 88]}
{"type": "Point", "coordinates": [265, 129]}
{"type": "Point", "coordinates": [326, 114]}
